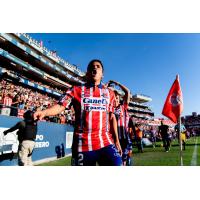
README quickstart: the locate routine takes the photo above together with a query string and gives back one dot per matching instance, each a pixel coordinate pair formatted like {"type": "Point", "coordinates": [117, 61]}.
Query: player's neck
{"type": "Point", "coordinates": [95, 82]}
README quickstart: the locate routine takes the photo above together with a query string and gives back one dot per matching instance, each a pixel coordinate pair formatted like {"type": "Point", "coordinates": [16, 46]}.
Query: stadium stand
{"type": "Point", "coordinates": [192, 123]}
{"type": "Point", "coordinates": [28, 64]}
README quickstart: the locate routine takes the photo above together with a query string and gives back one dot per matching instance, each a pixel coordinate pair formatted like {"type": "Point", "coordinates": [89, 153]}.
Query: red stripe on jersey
{"type": "Point", "coordinates": [122, 120]}
{"type": "Point", "coordinates": [92, 106]}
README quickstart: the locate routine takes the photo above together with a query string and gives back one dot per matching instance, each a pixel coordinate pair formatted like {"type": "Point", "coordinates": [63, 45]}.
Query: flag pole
{"type": "Point", "coordinates": [179, 134]}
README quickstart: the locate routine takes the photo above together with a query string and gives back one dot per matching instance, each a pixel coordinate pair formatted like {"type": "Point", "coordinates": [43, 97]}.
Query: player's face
{"type": "Point", "coordinates": [117, 100]}
{"type": "Point", "coordinates": [95, 72]}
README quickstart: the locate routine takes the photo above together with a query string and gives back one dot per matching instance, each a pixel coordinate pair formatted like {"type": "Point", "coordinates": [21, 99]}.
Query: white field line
{"type": "Point", "coordinates": [194, 155]}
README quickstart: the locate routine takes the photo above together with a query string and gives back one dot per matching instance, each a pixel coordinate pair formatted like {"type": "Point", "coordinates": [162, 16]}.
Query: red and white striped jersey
{"type": "Point", "coordinates": [122, 117]}
{"type": "Point", "coordinates": [7, 101]}
{"type": "Point", "coordinates": [92, 105]}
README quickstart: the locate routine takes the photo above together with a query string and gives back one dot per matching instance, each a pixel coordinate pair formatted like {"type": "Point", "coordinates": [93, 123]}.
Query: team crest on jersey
{"type": "Point", "coordinates": [104, 93]}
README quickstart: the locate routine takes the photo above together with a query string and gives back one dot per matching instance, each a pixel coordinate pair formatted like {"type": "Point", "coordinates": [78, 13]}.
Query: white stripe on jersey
{"type": "Point", "coordinates": [100, 128]}
{"type": "Point", "coordinates": [90, 125]}
{"type": "Point", "coordinates": [107, 116]}
{"type": "Point", "coordinates": [123, 124]}
{"type": "Point", "coordinates": [119, 130]}
{"type": "Point", "coordinates": [80, 134]}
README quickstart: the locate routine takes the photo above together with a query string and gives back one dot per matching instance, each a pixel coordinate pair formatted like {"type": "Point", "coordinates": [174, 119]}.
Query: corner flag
{"type": "Point", "coordinates": [173, 106]}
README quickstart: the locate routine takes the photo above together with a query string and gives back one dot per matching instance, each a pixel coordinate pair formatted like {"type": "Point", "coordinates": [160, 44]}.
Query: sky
{"type": "Point", "coordinates": [145, 63]}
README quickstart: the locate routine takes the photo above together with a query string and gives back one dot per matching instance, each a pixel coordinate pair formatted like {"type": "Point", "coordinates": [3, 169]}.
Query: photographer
{"type": "Point", "coordinates": [27, 130]}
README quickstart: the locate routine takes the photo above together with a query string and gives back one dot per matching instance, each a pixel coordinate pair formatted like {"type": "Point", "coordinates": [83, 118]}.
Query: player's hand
{"type": "Point", "coordinates": [119, 148]}
{"type": "Point", "coordinates": [39, 115]}
{"type": "Point", "coordinates": [4, 133]}
{"type": "Point", "coordinates": [115, 82]}
{"type": "Point", "coordinates": [108, 84]}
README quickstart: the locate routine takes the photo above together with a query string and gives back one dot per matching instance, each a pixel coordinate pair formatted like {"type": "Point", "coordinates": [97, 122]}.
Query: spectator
{"type": "Point", "coordinates": [7, 102]}
{"type": "Point", "coordinates": [139, 136]}
{"type": "Point", "coordinates": [62, 119]}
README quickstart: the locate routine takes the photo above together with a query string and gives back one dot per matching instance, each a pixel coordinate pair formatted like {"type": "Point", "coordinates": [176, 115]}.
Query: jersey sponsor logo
{"type": "Point", "coordinates": [95, 108]}
{"type": "Point", "coordinates": [94, 100]}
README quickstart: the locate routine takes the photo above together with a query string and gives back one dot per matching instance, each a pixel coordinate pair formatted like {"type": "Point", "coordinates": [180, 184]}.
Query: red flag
{"type": "Point", "coordinates": [174, 103]}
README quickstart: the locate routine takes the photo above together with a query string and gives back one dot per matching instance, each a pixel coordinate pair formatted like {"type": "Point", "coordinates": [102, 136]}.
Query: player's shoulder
{"type": "Point", "coordinates": [79, 85]}
{"type": "Point", "coordinates": [74, 87]}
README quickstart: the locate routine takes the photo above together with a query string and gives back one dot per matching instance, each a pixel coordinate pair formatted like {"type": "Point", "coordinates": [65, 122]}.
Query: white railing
{"type": "Point", "coordinates": [51, 54]}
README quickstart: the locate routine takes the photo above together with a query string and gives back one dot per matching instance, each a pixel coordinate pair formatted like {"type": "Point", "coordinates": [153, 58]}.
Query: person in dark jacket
{"type": "Point", "coordinates": [163, 131]}
{"type": "Point", "coordinates": [27, 130]}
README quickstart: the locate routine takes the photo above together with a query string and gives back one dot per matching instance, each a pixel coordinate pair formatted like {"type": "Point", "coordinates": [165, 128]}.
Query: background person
{"type": "Point", "coordinates": [163, 131]}
{"type": "Point", "coordinates": [139, 136]}
{"type": "Point", "coordinates": [122, 116]}
{"type": "Point", "coordinates": [183, 134]}
{"type": "Point", "coordinates": [27, 131]}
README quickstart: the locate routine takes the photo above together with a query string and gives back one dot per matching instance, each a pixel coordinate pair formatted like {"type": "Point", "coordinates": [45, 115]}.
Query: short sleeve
{"type": "Point", "coordinates": [66, 99]}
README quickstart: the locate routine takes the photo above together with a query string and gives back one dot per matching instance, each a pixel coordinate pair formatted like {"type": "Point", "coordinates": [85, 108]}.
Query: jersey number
{"type": "Point", "coordinates": [80, 159]}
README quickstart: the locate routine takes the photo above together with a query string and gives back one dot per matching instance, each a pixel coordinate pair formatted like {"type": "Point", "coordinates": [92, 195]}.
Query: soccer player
{"type": "Point", "coordinates": [93, 104]}
{"type": "Point", "coordinates": [121, 113]}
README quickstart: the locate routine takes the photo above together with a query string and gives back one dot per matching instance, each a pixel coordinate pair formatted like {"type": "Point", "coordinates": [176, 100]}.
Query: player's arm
{"type": "Point", "coordinates": [184, 129]}
{"type": "Point", "coordinates": [125, 90]}
{"type": "Point", "coordinates": [63, 103]}
{"type": "Point", "coordinates": [113, 124]}
{"type": "Point", "coordinates": [54, 110]}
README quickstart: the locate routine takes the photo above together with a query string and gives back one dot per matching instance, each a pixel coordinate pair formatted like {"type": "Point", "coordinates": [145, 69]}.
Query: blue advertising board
{"type": "Point", "coordinates": [52, 140]}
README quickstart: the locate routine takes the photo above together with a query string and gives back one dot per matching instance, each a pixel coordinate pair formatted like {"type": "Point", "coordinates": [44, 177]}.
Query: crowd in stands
{"type": "Point", "coordinates": [47, 86]}
{"type": "Point", "coordinates": [36, 82]}
{"type": "Point", "coordinates": [16, 99]}
{"type": "Point", "coordinates": [193, 121]}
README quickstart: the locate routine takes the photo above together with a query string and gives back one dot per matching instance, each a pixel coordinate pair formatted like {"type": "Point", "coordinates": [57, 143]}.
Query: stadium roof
{"type": "Point", "coordinates": [140, 98]}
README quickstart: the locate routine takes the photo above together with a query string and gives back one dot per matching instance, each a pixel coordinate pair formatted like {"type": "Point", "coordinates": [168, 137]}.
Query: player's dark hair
{"type": "Point", "coordinates": [91, 63]}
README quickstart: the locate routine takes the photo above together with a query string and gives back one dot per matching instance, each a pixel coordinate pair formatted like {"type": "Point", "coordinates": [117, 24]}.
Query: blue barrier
{"type": "Point", "coordinates": [53, 140]}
